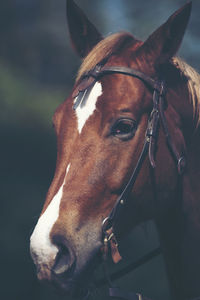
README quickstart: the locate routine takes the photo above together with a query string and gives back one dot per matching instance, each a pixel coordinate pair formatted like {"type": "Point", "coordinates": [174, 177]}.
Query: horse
{"type": "Point", "coordinates": [127, 151]}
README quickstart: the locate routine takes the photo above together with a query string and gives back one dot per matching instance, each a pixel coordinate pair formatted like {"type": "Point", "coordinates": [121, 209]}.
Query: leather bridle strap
{"type": "Point", "coordinates": [118, 293]}
{"type": "Point", "coordinates": [158, 87]}
{"type": "Point", "coordinates": [87, 81]}
{"type": "Point", "coordinates": [122, 198]}
{"type": "Point", "coordinates": [100, 71]}
{"type": "Point", "coordinates": [148, 147]}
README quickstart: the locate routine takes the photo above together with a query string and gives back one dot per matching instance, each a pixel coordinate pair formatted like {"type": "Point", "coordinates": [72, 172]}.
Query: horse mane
{"type": "Point", "coordinates": [116, 42]}
{"type": "Point", "coordinates": [193, 82]}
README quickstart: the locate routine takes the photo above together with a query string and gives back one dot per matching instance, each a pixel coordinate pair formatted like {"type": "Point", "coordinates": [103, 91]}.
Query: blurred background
{"type": "Point", "coordinates": [37, 70]}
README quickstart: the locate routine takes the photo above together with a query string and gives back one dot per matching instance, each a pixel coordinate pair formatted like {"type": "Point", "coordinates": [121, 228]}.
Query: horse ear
{"type": "Point", "coordinates": [166, 40]}
{"type": "Point", "coordinates": [84, 36]}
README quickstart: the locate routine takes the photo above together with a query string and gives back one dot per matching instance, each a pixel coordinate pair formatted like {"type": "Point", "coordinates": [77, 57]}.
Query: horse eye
{"type": "Point", "coordinates": [124, 128]}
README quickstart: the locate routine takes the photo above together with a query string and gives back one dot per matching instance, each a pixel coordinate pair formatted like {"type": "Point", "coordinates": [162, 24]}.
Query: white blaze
{"type": "Point", "coordinates": [83, 113]}
{"type": "Point", "coordinates": [42, 249]}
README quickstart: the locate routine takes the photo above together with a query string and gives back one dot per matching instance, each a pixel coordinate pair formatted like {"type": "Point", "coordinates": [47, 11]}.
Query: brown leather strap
{"type": "Point", "coordinates": [81, 92]}
{"type": "Point", "coordinates": [121, 294]}
{"type": "Point", "coordinates": [121, 201]}
{"type": "Point", "coordinates": [131, 72]}
{"type": "Point", "coordinates": [111, 240]}
{"type": "Point", "coordinates": [180, 159]}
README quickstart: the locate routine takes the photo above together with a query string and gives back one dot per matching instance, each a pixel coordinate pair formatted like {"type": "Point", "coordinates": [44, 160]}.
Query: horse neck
{"type": "Point", "coordinates": [179, 229]}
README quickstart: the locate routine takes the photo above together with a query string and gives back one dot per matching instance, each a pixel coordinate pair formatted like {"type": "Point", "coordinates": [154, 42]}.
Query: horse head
{"type": "Point", "coordinates": [101, 128]}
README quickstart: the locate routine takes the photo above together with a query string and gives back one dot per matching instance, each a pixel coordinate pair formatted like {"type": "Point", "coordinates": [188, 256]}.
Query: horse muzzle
{"type": "Point", "coordinates": [52, 260]}
{"type": "Point", "coordinates": [63, 270]}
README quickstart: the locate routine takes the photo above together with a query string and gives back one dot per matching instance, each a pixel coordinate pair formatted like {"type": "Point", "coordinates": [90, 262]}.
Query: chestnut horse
{"type": "Point", "coordinates": [101, 131]}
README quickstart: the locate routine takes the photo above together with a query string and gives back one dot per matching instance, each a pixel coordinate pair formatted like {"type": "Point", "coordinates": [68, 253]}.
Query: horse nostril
{"type": "Point", "coordinates": [64, 261]}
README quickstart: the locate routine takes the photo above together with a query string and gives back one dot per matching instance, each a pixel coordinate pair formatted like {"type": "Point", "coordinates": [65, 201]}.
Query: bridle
{"type": "Point", "coordinates": [156, 118]}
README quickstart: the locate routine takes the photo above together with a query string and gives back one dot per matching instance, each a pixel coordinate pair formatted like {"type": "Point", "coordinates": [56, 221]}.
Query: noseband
{"type": "Point", "coordinates": [157, 116]}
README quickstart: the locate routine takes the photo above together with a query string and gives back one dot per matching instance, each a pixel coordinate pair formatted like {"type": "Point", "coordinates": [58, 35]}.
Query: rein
{"type": "Point", "coordinates": [157, 116]}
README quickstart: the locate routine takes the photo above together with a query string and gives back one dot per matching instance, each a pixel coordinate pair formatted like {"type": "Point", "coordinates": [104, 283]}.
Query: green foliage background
{"type": "Point", "coordinates": [37, 69]}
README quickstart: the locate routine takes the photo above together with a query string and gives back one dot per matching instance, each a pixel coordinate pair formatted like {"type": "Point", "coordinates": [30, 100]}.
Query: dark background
{"type": "Point", "coordinates": [37, 70]}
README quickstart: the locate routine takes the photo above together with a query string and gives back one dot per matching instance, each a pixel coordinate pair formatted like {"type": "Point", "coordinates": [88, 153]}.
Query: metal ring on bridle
{"type": "Point", "coordinates": [106, 224]}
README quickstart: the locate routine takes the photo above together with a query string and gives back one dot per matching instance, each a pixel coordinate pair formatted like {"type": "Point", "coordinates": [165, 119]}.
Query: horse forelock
{"type": "Point", "coordinates": [193, 83]}
{"type": "Point", "coordinates": [104, 49]}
